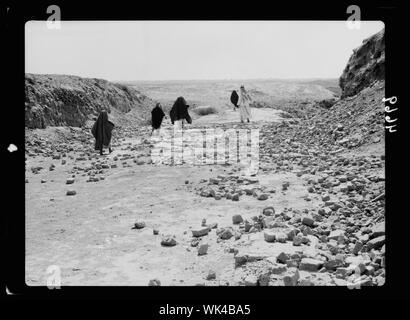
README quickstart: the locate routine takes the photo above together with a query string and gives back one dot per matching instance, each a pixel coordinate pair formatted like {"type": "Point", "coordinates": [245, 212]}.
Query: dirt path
{"type": "Point", "coordinates": [231, 116]}
{"type": "Point", "coordinates": [89, 235]}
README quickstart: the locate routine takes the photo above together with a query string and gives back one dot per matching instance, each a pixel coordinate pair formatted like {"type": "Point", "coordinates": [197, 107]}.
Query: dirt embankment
{"type": "Point", "coordinates": [356, 119]}
{"type": "Point", "coordinates": [365, 66]}
{"type": "Point", "coordinates": [62, 100]}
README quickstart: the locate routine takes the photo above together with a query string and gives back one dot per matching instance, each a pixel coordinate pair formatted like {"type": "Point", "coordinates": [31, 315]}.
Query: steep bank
{"type": "Point", "coordinates": [357, 118]}
{"type": "Point", "coordinates": [62, 100]}
{"type": "Point", "coordinates": [365, 66]}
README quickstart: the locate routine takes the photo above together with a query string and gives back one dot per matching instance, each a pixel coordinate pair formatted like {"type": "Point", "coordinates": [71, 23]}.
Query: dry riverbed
{"type": "Point", "coordinates": [127, 221]}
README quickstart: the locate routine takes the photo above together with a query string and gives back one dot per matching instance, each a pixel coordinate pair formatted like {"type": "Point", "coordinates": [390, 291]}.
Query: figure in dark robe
{"type": "Point", "coordinates": [179, 112]}
{"type": "Point", "coordinates": [101, 131]}
{"type": "Point", "coordinates": [157, 115]}
{"type": "Point", "coordinates": [234, 99]}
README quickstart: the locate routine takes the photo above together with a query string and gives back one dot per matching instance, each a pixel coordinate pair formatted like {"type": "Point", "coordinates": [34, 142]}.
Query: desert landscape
{"type": "Point", "coordinates": [312, 214]}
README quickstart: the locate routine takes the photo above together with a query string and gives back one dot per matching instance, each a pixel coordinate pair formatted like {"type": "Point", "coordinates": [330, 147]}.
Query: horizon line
{"type": "Point", "coordinates": [192, 79]}
{"type": "Point", "coordinates": [230, 79]}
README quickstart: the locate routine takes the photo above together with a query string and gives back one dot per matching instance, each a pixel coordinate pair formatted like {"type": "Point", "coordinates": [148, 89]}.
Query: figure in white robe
{"type": "Point", "coordinates": [244, 105]}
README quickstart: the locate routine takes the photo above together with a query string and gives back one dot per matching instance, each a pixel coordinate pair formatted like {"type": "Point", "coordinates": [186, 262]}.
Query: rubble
{"type": "Point", "coordinates": [211, 275]}
{"type": "Point", "coordinates": [200, 232]}
{"type": "Point", "coordinates": [154, 283]}
{"type": "Point", "coordinates": [168, 241]}
{"type": "Point", "coordinates": [203, 249]}
{"type": "Point", "coordinates": [139, 225]}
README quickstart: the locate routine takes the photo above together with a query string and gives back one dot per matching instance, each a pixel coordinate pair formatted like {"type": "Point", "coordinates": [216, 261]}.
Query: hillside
{"type": "Point", "coordinates": [62, 100]}
{"type": "Point", "coordinates": [356, 118]}
{"type": "Point", "coordinates": [365, 66]}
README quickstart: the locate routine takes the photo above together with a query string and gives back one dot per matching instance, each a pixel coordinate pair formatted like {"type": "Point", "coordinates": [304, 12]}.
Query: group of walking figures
{"type": "Point", "coordinates": [102, 128]}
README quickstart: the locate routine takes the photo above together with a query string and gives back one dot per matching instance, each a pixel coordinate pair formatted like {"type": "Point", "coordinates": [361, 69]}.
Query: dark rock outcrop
{"type": "Point", "coordinates": [365, 66]}
{"type": "Point", "coordinates": [327, 103]}
{"type": "Point", "coordinates": [62, 100]}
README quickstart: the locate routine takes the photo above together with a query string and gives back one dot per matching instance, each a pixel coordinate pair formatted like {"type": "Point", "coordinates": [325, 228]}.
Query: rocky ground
{"type": "Point", "coordinates": [313, 214]}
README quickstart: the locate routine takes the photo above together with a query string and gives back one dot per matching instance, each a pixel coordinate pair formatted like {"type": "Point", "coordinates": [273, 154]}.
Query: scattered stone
{"type": "Point", "coordinates": [203, 249]}
{"type": "Point", "coordinates": [291, 280]}
{"type": "Point", "coordinates": [268, 222]}
{"type": "Point", "coordinates": [357, 247]}
{"type": "Point", "coordinates": [168, 241]}
{"type": "Point", "coordinates": [269, 211]}
{"type": "Point", "coordinates": [235, 197]}
{"type": "Point", "coordinates": [281, 237]}
{"type": "Point", "coordinates": [297, 240]}
{"type": "Point", "coordinates": [326, 198]}
{"type": "Point", "coordinates": [200, 232]}
{"type": "Point", "coordinates": [264, 279]}
{"type": "Point", "coordinates": [278, 269]}
{"type": "Point", "coordinates": [283, 257]}
{"type": "Point", "coordinates": [333, 264]}
{"type": "Point", "coordinates": [269, 236]}
{"type": "Point", "coordinates": [247, 226]}
{"type": "Point", "coordinates": [237, 218]}
{"type": "Point", "coordinates": [376, 243]}
{"type": "Point", "coordinates": [263, 196]}
{"type": "Point", "coordinates": [291, 233]}
{"type": "Point", "coordinates": [211, 275]}
{"type": "Point", "coordinates": [213, 225]}
{"type": "Point", "coordinates": [195, 242]}
{"type": "Point", "coordinates": [378, 230]}
{"type": "Point", "coordinates": [310, 264]}
{"type": "Point", "coordinates": [226, 234]}
{"type": "Point", "coordinates": [139, 225]}
{"type": "Point", "coordinates": [251, 280]}
{"type": "Point", "coordinates": [334, 235]}
{"type": "Point", "coordinates": [208, 192]}
{"type": "Point", "coordinates": [308, 221]}
{"type": "Point", "coordinates": [240, 260]}
{"type": "Point", "coordinates": [71, 193]}
{"type": "Point", "coordinates": [154, 283]}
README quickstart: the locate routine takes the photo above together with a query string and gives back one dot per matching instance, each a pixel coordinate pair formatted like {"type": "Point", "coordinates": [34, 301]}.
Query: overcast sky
{"type": "Point", "coordinates": [170, 50]}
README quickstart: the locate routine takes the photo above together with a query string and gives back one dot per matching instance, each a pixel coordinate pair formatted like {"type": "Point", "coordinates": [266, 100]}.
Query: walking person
{"type": "Point", "coordinates": [179, 113]}
{"type": "Point", "coordinates": [244, 105]}
{"type": "Point", "coordinates": [101, 131]}
{"type": "Point", "coordinates": [234, 99]}
{"type": "Point", "coordinates": [157, 114]}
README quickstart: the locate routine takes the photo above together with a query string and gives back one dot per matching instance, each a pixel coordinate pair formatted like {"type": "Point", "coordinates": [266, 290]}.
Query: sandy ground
{"type": "Point", "coordinates": [89, 236]}
{"type": "Point", "coordinates": [231, 116]}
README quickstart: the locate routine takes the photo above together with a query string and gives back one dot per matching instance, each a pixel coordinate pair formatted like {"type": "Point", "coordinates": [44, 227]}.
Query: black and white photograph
{"type": "Point", "coordinates": [205, 153]}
